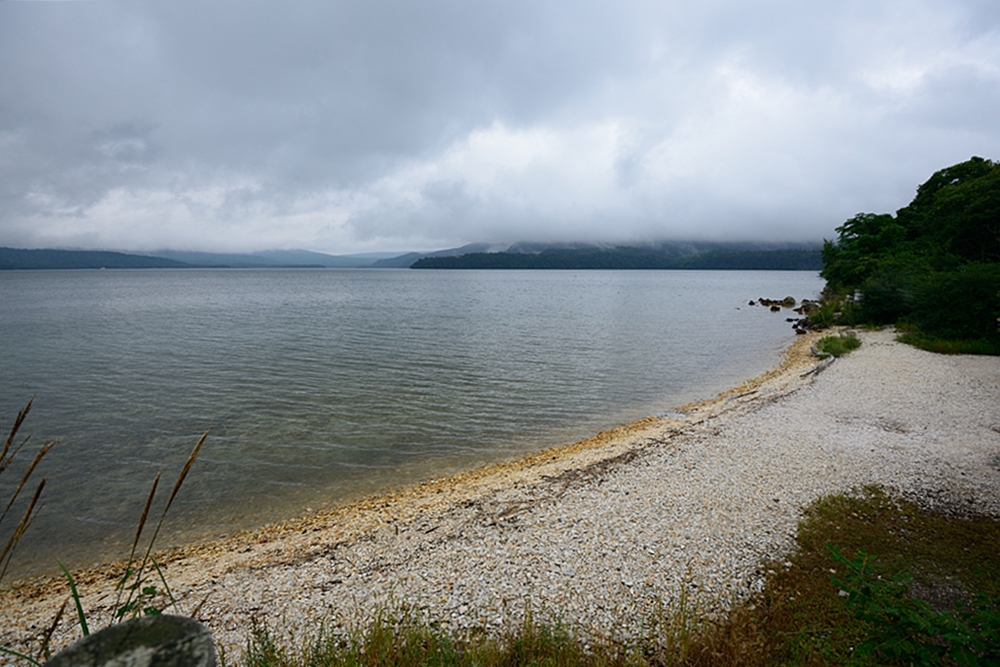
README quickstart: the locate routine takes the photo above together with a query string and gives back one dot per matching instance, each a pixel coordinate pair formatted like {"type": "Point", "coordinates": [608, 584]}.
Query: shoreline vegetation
{"type": "Point", "coordinates": [932, 270]}
{"type": "Point", "coordinates": [279, 590]}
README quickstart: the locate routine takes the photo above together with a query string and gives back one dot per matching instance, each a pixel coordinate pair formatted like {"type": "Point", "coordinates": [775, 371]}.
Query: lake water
{"type": "Point", "coordinates": [322, 385]}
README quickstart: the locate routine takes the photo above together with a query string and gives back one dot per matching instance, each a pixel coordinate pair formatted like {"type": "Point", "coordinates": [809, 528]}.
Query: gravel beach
{"type": "Point", "coordinates": [598, 533]}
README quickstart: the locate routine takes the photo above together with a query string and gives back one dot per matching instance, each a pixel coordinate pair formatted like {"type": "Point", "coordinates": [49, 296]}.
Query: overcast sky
{"type": "Point", "coordinates": [350, 126]}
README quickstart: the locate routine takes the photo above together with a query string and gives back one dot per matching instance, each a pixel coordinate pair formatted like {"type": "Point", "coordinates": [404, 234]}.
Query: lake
{"type": "Point", "coordinates": [320, 386]}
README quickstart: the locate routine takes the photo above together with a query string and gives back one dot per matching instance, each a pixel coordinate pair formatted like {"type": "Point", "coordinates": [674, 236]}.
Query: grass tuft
{"type": "Point", "coordinates": [838, 346]}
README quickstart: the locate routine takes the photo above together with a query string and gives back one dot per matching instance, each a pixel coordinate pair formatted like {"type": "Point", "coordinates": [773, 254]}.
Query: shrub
{"type": "Point", "coordinates": [960, 304]}
{"type": "Point", "coordinates": [886, 297]}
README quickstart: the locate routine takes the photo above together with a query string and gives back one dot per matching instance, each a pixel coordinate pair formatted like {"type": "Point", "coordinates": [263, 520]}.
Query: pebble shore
{"type": "Point", "coordinates": [599, 533]}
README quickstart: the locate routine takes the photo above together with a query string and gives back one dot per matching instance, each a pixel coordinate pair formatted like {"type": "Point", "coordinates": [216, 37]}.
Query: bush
{"type": "Point", "coordinates": [886, 297]}
{"type": "Point", "coordinates": [960, 304]}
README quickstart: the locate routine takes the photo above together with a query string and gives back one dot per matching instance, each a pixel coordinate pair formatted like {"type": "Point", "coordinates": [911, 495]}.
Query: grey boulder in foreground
{"type": "Point", "coordinates": [164, 641]}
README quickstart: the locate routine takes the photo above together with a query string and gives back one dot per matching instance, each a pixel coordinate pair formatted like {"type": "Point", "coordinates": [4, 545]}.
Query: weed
{"type": "Point", "coordinates": [403, 638]}
{"type": "Point", "coordinates": [909, 630]}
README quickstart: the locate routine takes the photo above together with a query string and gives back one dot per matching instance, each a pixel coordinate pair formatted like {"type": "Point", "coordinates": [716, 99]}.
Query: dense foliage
{"type": "Point", "coordinates": [935, 265]}
{"type": "Point", "coordinates": [627, 257]}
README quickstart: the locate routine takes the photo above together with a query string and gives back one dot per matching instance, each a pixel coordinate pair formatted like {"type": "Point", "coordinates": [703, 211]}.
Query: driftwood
{"type": "Point", "coordinates": [817, 369]}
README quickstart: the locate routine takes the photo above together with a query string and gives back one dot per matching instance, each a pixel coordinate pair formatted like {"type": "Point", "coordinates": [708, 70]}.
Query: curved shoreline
{"type": "Point", "coordinates": [597, 530]}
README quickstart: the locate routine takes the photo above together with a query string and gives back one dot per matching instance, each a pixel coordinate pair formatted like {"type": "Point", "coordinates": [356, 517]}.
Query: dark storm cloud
{"type": "Point", "coordinates": [350, 126]}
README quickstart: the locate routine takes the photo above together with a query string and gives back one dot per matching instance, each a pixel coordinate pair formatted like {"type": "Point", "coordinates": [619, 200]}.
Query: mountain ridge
{"type": "Point", "coordinates": [521, 255]}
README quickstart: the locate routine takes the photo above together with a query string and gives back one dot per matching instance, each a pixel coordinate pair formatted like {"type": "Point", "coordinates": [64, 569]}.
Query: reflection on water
{"type": "Point", "coordinates": [321, 385]}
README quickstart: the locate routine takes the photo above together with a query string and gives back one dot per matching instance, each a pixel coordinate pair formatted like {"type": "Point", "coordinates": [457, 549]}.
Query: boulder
{"type": "Point", "coordinates": [160, 640]}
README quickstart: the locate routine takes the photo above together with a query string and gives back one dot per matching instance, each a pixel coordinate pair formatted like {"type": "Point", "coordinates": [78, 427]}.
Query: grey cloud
{"type": "Point", "coordinates": [354, 124]}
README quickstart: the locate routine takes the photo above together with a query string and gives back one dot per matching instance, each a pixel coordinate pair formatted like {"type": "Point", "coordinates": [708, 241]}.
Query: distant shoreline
{"type": "Point", "coordinates": [672, 257]}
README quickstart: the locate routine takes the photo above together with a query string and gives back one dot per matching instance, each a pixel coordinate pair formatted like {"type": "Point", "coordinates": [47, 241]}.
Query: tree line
{"type": "Point", "coordinates": [628, 257]}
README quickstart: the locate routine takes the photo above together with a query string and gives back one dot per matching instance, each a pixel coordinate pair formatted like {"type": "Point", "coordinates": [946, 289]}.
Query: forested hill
{"type": "Point", "coordinates": [13, 258]}
{"type": "Point", "coordinates": [624, 257]}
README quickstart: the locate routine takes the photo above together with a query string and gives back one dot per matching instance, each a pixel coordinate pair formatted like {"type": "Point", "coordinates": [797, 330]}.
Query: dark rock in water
{"type": "Point", "coordinates": [775, 309]}
{"type": "Point", "coordinates": [800, 330]}
{"type": "Point", "coordinates": [787, 302]}
{"type": "Point", "coordinates": [752, 303]}
{"type": "Point", "coordinates": [163, 641]}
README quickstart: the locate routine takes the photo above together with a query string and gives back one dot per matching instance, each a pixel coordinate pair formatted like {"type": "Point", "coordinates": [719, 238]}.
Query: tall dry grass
{"type": "Point", "coordinates": [11, 448]}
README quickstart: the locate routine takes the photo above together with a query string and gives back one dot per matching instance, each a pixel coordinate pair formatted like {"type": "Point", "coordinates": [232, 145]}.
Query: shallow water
{"type": "Point", "coordinates": [322, 385]}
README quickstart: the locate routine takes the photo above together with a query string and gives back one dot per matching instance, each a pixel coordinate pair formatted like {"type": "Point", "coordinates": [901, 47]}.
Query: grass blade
{"type": "Point", "coordinates": [52, 628]}
{"type": "Point", "coordinates": [20, 655]}
{"type": "Point", "coordinates": [42, 451]}
{"type": "Point", "coordinates": [21, 416]}
{"type": "Point", "coordinates": [76, 598]}
{"type": "Point", "coordinates": [137, 586]}
{"type": "Point", "coordinates": [185, 470]}
{"type": "Point", "coordinates": [19, 529]}
{"type": "Point", "coordinates": [135, 544]}
{"type": "Point", "coordinates": [166, 587]}
{"type": "Point", "coordinates": [142, 519]}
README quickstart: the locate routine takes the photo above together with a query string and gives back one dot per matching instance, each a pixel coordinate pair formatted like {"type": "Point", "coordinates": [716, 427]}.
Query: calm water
{"type": "Point", "coordinates": [321, 385]}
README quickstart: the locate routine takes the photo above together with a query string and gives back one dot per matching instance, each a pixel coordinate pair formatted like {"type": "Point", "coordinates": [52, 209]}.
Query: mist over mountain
{"type": "Point", "coordinates": [522, 255]}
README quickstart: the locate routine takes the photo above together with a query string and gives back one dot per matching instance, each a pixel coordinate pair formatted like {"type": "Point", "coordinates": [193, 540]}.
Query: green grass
{"type": "Point", "coordinates": [402, 638]}
{"type": "Point", "coordinates": [838, 346]}
{"type": "Point", "coordinates": [903, 570]}
{"type": "Point", "coordinates": [945, 346]}
{"type": "Point", "coordinates": [805, 620]}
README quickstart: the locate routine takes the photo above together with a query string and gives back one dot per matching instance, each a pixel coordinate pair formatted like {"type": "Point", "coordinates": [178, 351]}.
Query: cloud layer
{"type": "Point", "coordinates": [355, 126]}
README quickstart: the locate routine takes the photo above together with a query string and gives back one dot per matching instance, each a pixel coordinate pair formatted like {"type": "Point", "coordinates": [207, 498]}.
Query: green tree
{"type": "Point", "coordinates": [863, 242]}
{"type": "Point", "coordinates": [965, 219]}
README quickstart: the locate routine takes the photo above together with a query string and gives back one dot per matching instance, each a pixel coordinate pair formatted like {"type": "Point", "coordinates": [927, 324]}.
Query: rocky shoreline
{"type": "Point", "coordinates": [600, 532]}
